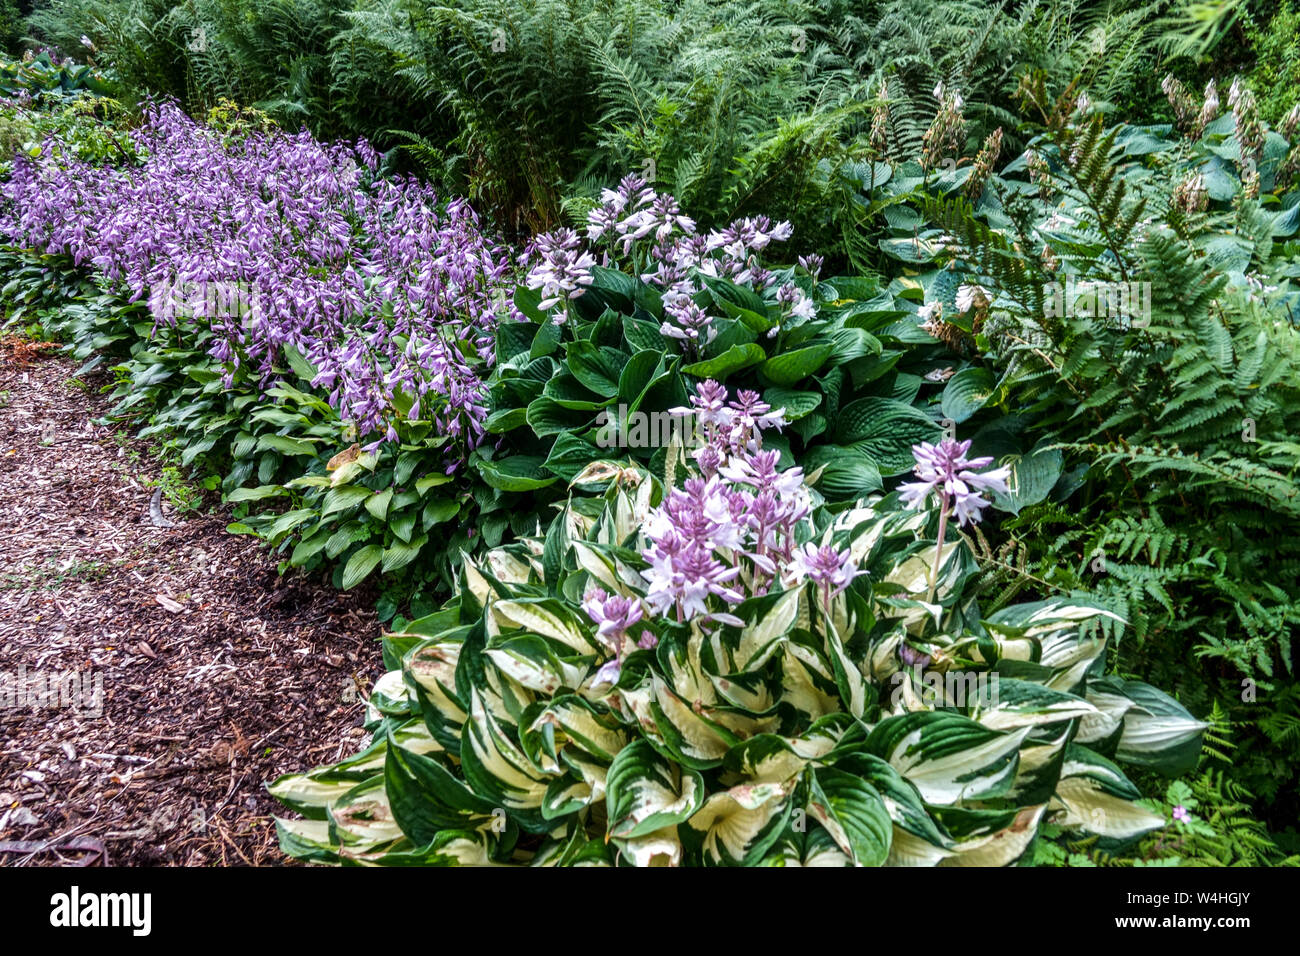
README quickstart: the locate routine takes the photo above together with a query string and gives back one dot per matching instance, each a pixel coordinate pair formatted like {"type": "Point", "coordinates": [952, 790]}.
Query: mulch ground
{"type": "Point", "coordinates": [218, 674]}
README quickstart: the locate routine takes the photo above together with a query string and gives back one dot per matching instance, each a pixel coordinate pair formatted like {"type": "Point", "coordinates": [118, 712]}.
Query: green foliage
{"type": "Point", "coordinates": [1175, 502]}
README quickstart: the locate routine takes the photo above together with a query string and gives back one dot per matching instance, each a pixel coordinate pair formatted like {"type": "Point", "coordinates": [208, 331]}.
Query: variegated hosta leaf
{"type": "Point", "coordinates": [645, 793]}
{"type": "Point", "coordinates": [430, 671]}
{"type": "Point", "coordinates": [948, 757]}
{"type": "Point", "coordinates": [813, 847]}
{"type": "Point", "coordinates": [736, 827]}
{"type": "Point", "coordinates": [782, 740]}
{"type": "Point", "coordinates": [1019, 703]}
{"type": "Point", "coordinates": [853, 813]}
{"type": "Point", "coordinates": [1003, 846]}
{"type": "Point", "coordinates": [426, 798]}
{"type": "Point", "coordinates": [545, 616]}
{"type": "Point", "coordinates": [499, 771]}
{"type": "Point", "coordinates": [1158, 732]}
{"type": "Point", "coordinates": [1099, 798]}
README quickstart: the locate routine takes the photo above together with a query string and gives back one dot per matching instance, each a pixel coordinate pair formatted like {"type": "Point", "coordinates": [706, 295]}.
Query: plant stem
{"type": "Point", "coordinates": [938, 549]}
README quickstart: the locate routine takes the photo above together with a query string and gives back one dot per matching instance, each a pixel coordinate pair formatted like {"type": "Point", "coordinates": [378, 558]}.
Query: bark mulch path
{"type": "Point", "coordinates": [217, 673]}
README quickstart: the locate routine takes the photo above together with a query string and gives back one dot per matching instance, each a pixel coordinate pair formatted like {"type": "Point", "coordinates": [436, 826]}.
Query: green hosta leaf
{"type": "Point", "coordinates": [732, 360]}
{"type": "Point", "coordinates": [885, 430]}
{"type": "Point", "coordinates": [401, 553]}
{"type": "Point", "coordinates": [646, 793]}
{"type": "Point", "coordinates": [286, 445]}
{"type": "Point", "coordinates": [966, 393]}
{"type": "Point", "coordinates": [377, 504]}
{"type": "Point", "coordinates": [339, 499]}
{"type": "Point", "coordinates": [255, 494]}
{"type": "Point", "coordinates": [517, 473]}
{"type": "Point", "coordinates": [360, 565]}
{"type": "Point", "coordinates": [795, 366]}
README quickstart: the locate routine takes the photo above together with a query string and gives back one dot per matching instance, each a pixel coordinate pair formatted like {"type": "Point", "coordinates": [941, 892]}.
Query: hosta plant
{"type": "Point", "coordinates": [723, 673]}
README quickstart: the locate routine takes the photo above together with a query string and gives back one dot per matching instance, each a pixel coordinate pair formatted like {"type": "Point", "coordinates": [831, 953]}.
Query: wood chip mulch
{"type": "Point", "coordinates": [218, 674]}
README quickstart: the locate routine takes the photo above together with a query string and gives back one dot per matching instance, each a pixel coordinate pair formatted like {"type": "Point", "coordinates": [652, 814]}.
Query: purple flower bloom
{"type": "Point", "coordinates": [1181, 814]}
{"type": "Point", "coordinates": [829, 569]}
{"type": "Point", "coordinates": [945, 468]}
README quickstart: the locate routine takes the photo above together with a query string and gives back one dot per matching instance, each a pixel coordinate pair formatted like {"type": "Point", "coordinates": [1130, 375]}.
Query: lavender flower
{"type": "Point", "coordinates": [945, 468]}
{"type": "Point", "coordinates": [613, 615]}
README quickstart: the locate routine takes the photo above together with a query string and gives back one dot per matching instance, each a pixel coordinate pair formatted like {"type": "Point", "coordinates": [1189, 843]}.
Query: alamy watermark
{"type": "Point", "coordinates": [79, 691]}
{"type": "Point", "coordinates": [1127, 303]}
{"type": "Point", "coordinates": [954, 688]}
{"type": "Point", "coordinates": [208, 298]}
{"type": "Point", "coordinates": [637, 429]}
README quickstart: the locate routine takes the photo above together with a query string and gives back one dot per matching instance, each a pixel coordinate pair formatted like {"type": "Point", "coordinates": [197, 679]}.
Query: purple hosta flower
{"type": "Point", "coordinates": [690, 322]}
{"type": "Point", "coordinates": [1181, 814]}
{"type": "Point", "coordinates": [647, 641]}
{"type": "Point", "coordinates": [750, 416]}
{"type": "Point", "coordinates": [812, 264]}
{"type": "Point", "coordinates": [913, 657]}
{"type": "Point", "coordinates": [564, 271]}
{"type": "Point", "coordinates": [378, 288]}
{"type": "Point", "coordinates": [612, 615]}
{"type": "Point", "coordinates": [684, 574]}
{"type": "Point", "coordinates": [827, 568]}
{"type": "Point", "coordinates": [945, 468]}
{"type": "Point", "coordinates": [795, 303]}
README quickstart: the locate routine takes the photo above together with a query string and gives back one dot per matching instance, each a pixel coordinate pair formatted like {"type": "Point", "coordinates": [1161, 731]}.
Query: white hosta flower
{"type": "Point", "coordinates": [972, 296]}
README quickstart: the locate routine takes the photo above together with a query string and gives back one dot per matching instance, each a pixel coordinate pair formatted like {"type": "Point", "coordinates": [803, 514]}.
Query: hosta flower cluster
{"type": "Point", "coordinates": [722, 673]}
{"type": "Point", "coordinates": [646, 233]}
{"type": "Point", "coordinates": [261, 242]}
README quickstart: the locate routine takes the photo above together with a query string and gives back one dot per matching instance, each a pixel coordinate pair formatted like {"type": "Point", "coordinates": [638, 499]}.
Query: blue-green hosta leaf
{"type": "Point", "coordinates": [885, 430]}
{"type": "Point", "coordinates": [732, 360]}
{"type": "Point", "coordinates": [854, 814]}
{"type": "Point", "coordinates": [1032, 478]}
{"type": "Point", "coordinates": [949, 758]}
{"type": "Point", "coordinates": [966, 393]}
{"type": "Point", "coordinates": [597, 367]}
{"type": "Point", "coordinates": [795, 403]}
{"type": "Point", "coordinates": [737, 827]}
{"type": "Point", "coordinates": [645, 793]}
{"type": "Point", "coordinates": [848, 473]}
{"type": "Point", "coordinates": [792, 367]}
{"type": "Point", "coordinates": [516, 473]}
